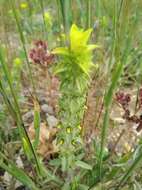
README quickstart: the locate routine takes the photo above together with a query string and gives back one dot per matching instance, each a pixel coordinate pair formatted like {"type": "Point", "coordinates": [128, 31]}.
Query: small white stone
{"type": "Point", "coordinates": [47, 109]}
{"type": "Point", "coordinates": [52, 121]}
{"type": "Point", "coordinates": [19, 162]}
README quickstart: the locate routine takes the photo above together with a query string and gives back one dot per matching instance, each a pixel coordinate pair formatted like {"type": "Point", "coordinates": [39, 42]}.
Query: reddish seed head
{"type": "Point", "coordinates": [140, 92]}
{"type": "Point", "coordinates": [41, 44]}
{"type": "Point", "coordinates": [126, 114]}
{"type": "Point", "coordinates": [40, 54]}
{"type": "Point", "coordinates": [140, 97]}
{"type": "Point", "coordinates": [128, 98]}
{"type": "Point", "coordinates": [123, 99]}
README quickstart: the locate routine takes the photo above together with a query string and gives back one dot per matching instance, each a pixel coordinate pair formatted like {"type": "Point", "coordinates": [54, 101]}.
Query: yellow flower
{"type": "Point", "coordinates": [73, 143]}
{"type": "Point", "coordinates": [24, 5]}
{"type": "Point", "coordinates": [79, 127]}
{"type": "Point", "coordinates": [61, 141]}
{"type": "Point", "coordinates": [59, 126]}
{"type": "Point", "coordinates": [17, 61]}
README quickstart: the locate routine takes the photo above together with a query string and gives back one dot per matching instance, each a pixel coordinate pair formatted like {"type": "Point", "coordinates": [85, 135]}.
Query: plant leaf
{"type": "Point", "coordinates": [83, 165]}
{"type": "Point", "coordinates": [19, 174]}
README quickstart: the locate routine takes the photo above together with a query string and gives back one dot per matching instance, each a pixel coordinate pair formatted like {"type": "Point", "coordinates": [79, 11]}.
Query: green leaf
{"type": "Point", "coordinates": [36, 123]}
{"type": "Point", "coordinates": [55, 162]}
{"type": "Point", "coordinates": [83, 165]}
{"type": "Point", "coordinates": [64, 163]}
{"type": "Point", "coordinates": [61, 51]}
{"type": "Point", "coordinates": [108, 100]}
{"type": "Point", "coordinates": [130, 170]}
{"type": "Point", "coordinates": [66, 186]}
{"type": "Point", "coordinates": [19, 174]}
{"type": "Point", "coordinates": [83, 187]}
{"type": "Point", "coordinates": [27, 149]}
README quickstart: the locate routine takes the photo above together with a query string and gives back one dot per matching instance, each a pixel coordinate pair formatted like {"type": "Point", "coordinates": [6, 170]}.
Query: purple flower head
{"type": "Point", "coordinates": [40, 54]}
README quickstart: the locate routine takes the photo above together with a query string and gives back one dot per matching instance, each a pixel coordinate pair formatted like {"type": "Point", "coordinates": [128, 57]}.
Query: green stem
{"type": "Point", "coordinates": [43, 16]}
{"type": "Point", "coordinates": [17, 111]}
{"type": "Point", "coordinates": [88, 21]}
{"type": "Point", "coordinates": [23, 43]}
{"type": "Point", "coordinates": [129, 171]}
{"type": "Point", "coordinates": [108, 101]}
{"type": "Point", "coordinates": [65, 7]}
{"type": "Point", "coordinates": [7, 101]}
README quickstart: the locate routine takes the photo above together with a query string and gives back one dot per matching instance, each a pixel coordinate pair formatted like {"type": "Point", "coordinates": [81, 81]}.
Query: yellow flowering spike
{"type": "Point", "coordinates": [24, 5]}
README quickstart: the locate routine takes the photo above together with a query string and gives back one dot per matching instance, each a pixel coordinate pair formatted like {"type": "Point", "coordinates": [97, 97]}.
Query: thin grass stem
{"type": "Point", "coordinates": [23, 43]}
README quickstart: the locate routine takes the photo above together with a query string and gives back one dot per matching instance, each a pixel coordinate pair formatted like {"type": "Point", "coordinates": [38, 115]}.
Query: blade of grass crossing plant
{"type": "Point", "coordinates": [80, 13]}
{"type": "Point", "coordinates": [31, 153]}
{"type": "Point", "coordinates": [108, 99]}
{"type": "Point", "coordinates": [9, 80]}
{"type": "Point", "coordinates": [61, 7]}
{"type": "Point", "coordinates": [97, 7]}
{"type": "Point", "coordinates": [115, 78]}
{"type": "Point", "coordinates": [68, 15]}
{"type": "Point", "coordinates": [130, 171]}
{"type": "Point", "coordinates": [7, 101]}
{"type": "Point", "coordinates": [65, 7]}
{"type": "Point", "coordinates": [20, 124]}
{"type": "Point", "coordinates": [88, 18]}
{"type": "Point", "coordinates": [59, 16]}
{"type": "Point", "coordinates": [27, 149]}
{"type": "Point", "coordinates": [12, 3]}
{"type": "Point", "coordinates": [15, 112]}
{"type": "Point", "coordinates": [30, 10]}
{"type": "Point", "coordinates": [36, 123]}
{"type": "Point", "coordinates": [120, 8]}
{"type": "Point", "coordinates": [19, 174]}
{"type": "Point", "coordinates": [114, 34]}
{"type": "Point", "coordinates": [43, 16]}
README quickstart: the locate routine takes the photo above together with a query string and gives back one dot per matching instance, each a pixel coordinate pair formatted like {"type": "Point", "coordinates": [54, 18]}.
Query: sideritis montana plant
{"type": "Point", "coordinates": [74, 71]}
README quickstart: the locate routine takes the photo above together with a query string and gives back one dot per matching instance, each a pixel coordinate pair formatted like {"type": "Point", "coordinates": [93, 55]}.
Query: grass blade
{"type": "Point", "coordinates": [36, 123]}
{"type": "Point", "coordinates": [43, 16]}
{"type": "Point", "coordinates": [88, 18]}
{"type": "Point", "coordinates": [130, 171]}
{"type": "Point", "coordinates": [19, 174]}
{"type": "Point", "coordinates": [66, 13]}
{"type": "Point", "coordinates": [107, 102]}
{"type": "Point", "coordinates": [23, 42]}
{"type": "Point", "coordinates": [7, 101]}
{"type": "Point", "coordinates": [19, 121]}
